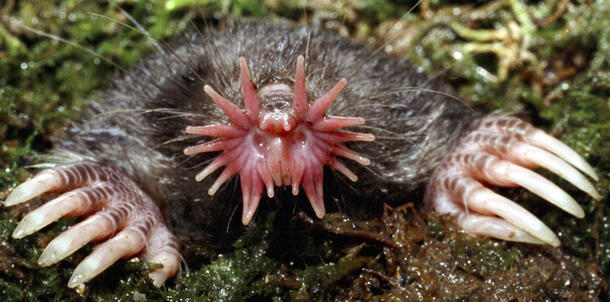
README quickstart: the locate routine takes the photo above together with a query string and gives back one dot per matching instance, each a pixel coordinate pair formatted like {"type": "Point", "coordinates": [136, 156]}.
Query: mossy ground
{"type": "Point", "coordinates": [549, 61]}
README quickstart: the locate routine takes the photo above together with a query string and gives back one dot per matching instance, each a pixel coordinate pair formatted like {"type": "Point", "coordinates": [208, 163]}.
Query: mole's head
{"type": "Point", "coordinates": [278, 139]}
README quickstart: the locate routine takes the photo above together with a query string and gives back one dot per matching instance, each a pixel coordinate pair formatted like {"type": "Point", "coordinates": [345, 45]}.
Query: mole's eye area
{"type": "Point", "coordinates": [271, 144]}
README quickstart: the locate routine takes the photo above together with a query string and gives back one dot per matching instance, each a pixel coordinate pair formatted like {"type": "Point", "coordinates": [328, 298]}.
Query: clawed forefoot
{"type": "Point", "coordinates": [118, 212]}
{"type": "Point", "coordinates": [501, 151]}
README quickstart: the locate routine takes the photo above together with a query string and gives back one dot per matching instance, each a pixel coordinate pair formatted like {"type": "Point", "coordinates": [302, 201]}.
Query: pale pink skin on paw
{"type": "Point", "coordinates": [282, 147]}
{"type": "Point", "coordinates": [501, 151]}
{"type": "Point", "coordinates": [118, 213]}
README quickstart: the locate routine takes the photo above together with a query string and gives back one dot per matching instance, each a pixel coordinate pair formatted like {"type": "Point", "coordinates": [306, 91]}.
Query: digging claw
{"type": "Point", "coordinates": [115, 207]}
{"type": "Point", "coordinates": [43, 182]}
{"type": "Point", "coordinates": [500, 151]}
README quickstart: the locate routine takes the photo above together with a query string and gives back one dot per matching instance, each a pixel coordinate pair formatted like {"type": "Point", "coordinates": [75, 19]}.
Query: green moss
{"type": "Point", "coordinates": [485, 258]}
{"type": "Point", "coordinates": [228, 277]}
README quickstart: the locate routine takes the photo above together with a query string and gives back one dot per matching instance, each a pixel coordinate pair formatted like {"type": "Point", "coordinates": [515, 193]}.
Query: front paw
{"type": "Point", "coordinates": [501, 151]}
{"type": "Point", "coordinates": [117, 211]}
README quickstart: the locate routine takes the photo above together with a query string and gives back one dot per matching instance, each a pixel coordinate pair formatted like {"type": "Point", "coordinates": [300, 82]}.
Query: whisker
{"type": "Point", "coordinates": [374, 173]}
{"type": "Point", "coordinates": [161, 45]}
{"type": "Point", "coordinates": [72, 43]}
{"type": "Point", "coordinates": [377, 105]}
{"type": "Point", "coordinates": [397, 135]}
{"type": "Point", "coordinates": [199, 163]}
{"type": "Point", "coordinates": [183, 158]}
{"type": "Point", "coordinates": [435, 76]}
{"type": "Point", "coordinates": [393, 138]}
{"type": "Point", "coordinates": [337, 177]}
{"type": "Point", "coordinates": [308, 44]}
{"type": "Point", "coordinates": [295, 201]}
{"type": "Point", "coordinates": [178, 139]}
{"type": "Point", "coordinates": [196, 28]}
{"type": "Point", "coordinates": [404, 16]}
{"type": "Point", "coordinates": [231, 217]}
{"type": "Point", "coordinates": [422, 89]}
{"type": "Point", "coordinates": [139, 26]}
{"type": "Point", "coordinates": [137, 112]}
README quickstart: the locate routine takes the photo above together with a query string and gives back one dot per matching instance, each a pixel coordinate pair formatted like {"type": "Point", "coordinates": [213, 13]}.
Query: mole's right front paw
{"type": "Point", "coordinates": [116, 207]}
{"type": "Point", "coordinates": [501, 151]}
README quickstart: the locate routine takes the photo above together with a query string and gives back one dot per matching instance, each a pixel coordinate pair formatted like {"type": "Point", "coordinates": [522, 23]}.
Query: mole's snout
{"type": "Point", "coordinates": [282, 140]}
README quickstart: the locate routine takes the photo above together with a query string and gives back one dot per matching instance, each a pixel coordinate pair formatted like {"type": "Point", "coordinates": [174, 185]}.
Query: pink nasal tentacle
{"type": "Point", "coordinates": [278, 161]}
{"type": "Point", "coordinates": [212, 146]}
{"type": "Point", "coordinates": [215, 130]}
{"type": "Point", "coordinates": [250, 100]}
{"type": "Point", "coordinates": [299, 103]}
{"type": "Point", "coordinates": [331, 123]}
{"type": "Point", "coordinates": [337, 137]}
{"type": "Point", "coordinates": [222, 160]}
{"type": "Point", "coordinates": [232, 111]}
{"type": "Point", "coordinates": [266, 178]}
{"type": "Point", "coordinates": [349, 154]}
{"type": "Point", "coordinates": [339, 166]}
{"type": "Point", "coordinates": [319, 107]}
{"type": "Point", "coordinates": [298, 169]}
{"type": "Point", "coordinates": [231, 169]}
{"type": "Point", "coordinates": [313, 187]}
{"type": "Point", "coordinates": [252, 189]}
{"type": "Point", "coordinates": [227, 173]}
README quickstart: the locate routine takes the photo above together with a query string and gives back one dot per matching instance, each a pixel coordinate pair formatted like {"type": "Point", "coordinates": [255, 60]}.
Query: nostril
{"type": "Point", "coordinates": [276, 122]}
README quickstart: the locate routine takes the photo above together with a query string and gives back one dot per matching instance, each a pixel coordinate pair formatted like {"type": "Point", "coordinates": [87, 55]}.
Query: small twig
{"type": "Point", "coordinates": [337, 229]}
{"type": "Point", "coordinates": [561, 8]}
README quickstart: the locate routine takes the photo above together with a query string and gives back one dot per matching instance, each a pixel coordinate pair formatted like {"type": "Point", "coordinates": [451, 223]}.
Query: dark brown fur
{"type": "Point", "coordinates": [138, 124]}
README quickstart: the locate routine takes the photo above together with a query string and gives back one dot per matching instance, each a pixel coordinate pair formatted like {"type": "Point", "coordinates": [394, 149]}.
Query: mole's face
{"type": "Point", "coordinates": [278, 139]}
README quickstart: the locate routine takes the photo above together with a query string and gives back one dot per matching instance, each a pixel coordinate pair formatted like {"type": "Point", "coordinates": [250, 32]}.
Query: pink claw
{"type": "Point", "coordinates": [500, 152]}
{"type": "Point", "coordinates": [117, 210]}
{"type": "Point", "coordinates": [287, 148]}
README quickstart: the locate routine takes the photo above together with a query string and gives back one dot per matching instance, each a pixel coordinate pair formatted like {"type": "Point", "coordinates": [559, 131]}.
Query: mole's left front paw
{"type": "Point", "coordinates": [501, 151]}
{"type": "Point", "coordinates": [117, 211]}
